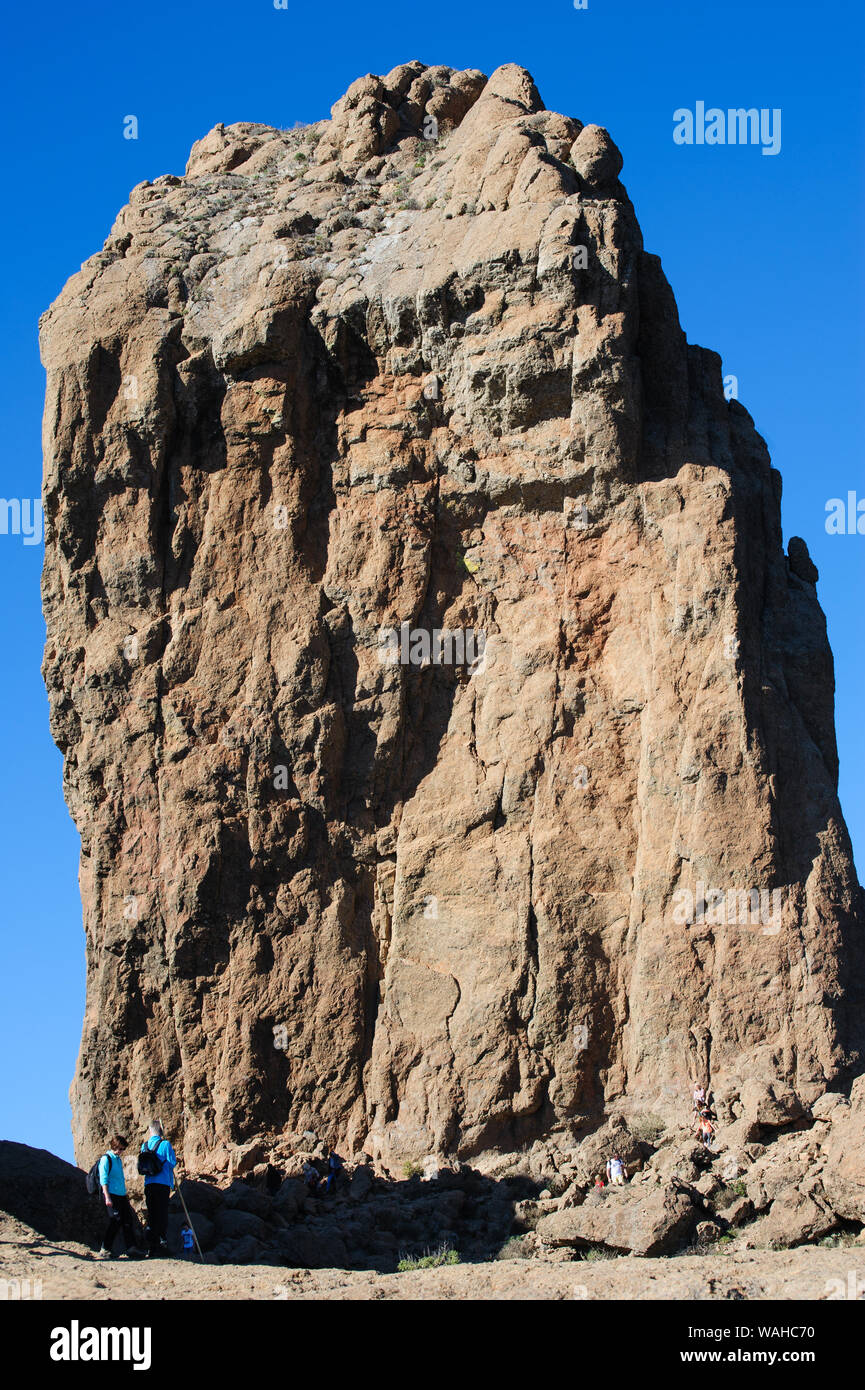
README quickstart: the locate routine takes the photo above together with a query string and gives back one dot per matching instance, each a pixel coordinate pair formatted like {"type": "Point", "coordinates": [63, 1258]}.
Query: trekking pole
{"type": "Point", "coordinates": [189, 1222]}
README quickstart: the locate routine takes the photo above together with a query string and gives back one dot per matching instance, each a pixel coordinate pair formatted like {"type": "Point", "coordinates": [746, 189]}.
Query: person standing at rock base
{"type": "Point", "coordinates": [187, 1237]}
{"type": "Point", "coordinates": [157, 1162]}
{"type": "Point", "coordinates": [112, 1181]}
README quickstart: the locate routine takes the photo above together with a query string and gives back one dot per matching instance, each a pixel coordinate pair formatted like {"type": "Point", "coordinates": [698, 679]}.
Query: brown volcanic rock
{"type": "Point", "coordinates": [335, 380]}
{"type": "Point", "coordinates": [843, 1177]}
{"type": "Point", "coordinates": [645, 1223]}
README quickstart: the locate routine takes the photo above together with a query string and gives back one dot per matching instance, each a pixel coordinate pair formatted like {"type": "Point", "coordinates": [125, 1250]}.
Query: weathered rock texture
{"type": "Point", "coordinates": [341, 378]}
{"type": "Point", "coordinates": [48, 1194]}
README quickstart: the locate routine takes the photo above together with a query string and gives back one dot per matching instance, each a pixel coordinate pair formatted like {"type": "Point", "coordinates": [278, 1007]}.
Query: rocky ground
{"type": "Point", "coordinates": [66, 1270]}
{"type": "Point", "coordinates": [774, 1209]}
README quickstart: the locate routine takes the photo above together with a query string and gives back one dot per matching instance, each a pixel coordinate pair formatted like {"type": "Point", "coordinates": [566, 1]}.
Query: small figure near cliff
{"type": "Point", "coordinates": [699, 1098]}
{"type": "Point", "coordinates": [706, 1128]}
{"type": "Point", "coordinates": [112, 1180]}
{"type": "Point", "coordinates": [616, 1171]}
{"type": "Point", "coordinates": [335, 1167]}
{"type": "Point", "coordinates": [311, 1178]}
{"type": "Point", "coordinates": [157, 1161]}
{"type": "Point", "coordinates": [187, 1237]}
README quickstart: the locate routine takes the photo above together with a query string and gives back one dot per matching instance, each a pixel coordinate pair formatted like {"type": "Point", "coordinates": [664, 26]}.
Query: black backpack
{"type": "Point", "coordinates": [92, 1179]}
{"type": "Point", "coordinates": [149, 1162]}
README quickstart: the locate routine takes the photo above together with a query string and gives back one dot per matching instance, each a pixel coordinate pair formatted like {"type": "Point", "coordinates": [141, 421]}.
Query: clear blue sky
{"type": "Point", "coordinates": [765, 256]}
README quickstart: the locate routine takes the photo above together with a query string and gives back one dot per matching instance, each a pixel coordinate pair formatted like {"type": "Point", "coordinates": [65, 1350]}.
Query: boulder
{"type": "Point", "coordinates": [650, 1222]}
{"type": "Point", "coordinates": [596, 157]}
{"type": "Point", "coordinates": [246, 1156]}
{"type": "Point", "coordinates": [829, 1107]}
{"type": "Point", "coordinates": [793, 1219]}
{"type": "Point", "coordinates": [706, 1232]}
{"type": "Point", "coordinates": [49, 1194]}
{"type": "Point", "coordinates": [235, 1224]}
{"type": "Point", "coordinates": [241, 1197]}
{"type": "Point", "coordinates": [245, 1251]}
{"type": "Point", "coordinates": [843, 1174]}
{"type": "Point", "coordinates": [683, 1158]}
{"type": "Point", "coordinates": [361, 1184]}
{"type": "Point", "coordinates": [201, 1196]}
{"type": "Point", "coordinates": [738, 1212]}
{"type": "Point", "coordinates": [770, 1104]}
{"type": "Point", "coordinates": [289, 1198]}
{"type": "Point", "coordinates": [794, 1161]}
{"type": "Point", "coordinates": [309, 1247]}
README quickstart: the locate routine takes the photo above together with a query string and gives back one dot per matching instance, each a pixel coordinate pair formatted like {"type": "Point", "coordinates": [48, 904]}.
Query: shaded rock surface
{"type": "Point", "coordinates": [48, 1194]}
{"type": "Point", "coordinates": [413, 365]}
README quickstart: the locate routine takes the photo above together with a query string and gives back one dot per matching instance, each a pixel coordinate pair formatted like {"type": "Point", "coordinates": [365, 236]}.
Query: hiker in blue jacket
{"type": "Point", "coordinates": [157, 1162]}
{"type": "Point", "coordinates": [112, 1181]}
{"type": "Point", "coordinates": [335, 1168]}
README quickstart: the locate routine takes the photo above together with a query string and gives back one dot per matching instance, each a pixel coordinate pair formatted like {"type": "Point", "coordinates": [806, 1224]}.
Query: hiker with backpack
{"type": "Point", "coordinates": [335, 1170]}
{"type": "Point", "coordinates": [110, 1179]}
{"type": "Point", "coordinates": [157, 1162]}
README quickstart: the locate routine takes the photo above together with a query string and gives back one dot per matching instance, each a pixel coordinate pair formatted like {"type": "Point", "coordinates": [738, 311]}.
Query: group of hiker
{"type": "Point", "coordinates": [704, 1115]}
{"type": "Point", "coordinates": [703, 1118]}
{"type": "Point", "coordinates": [312, 1177]}
{"type": "Point", "coordinates": [615, 1171]}
{"type": "Point", "coordinates": [156, 1162]}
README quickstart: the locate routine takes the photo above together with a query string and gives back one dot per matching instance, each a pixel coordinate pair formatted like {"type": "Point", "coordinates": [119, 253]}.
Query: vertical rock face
{"type": "Point", "coordinates": [412, 366]}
